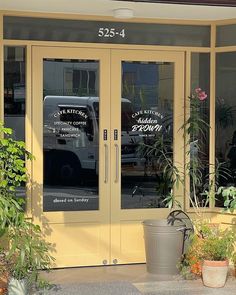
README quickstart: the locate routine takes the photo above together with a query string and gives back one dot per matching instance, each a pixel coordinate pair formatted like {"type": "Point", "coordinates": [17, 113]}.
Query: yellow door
{"type": "Point", "coordinates": [147, 103]}
{"type": "Point", "coordinates": [93, 111]}
{"type": "Point", "coordinates": [71, 192]}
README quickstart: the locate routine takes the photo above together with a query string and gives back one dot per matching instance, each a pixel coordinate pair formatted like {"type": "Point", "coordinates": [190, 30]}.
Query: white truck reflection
{"type": "Point", "coordinates": [71, 138]}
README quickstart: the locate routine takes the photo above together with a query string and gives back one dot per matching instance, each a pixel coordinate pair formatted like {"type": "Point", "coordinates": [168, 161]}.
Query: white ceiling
{"type": "Point", "coordinates": [106, 7]}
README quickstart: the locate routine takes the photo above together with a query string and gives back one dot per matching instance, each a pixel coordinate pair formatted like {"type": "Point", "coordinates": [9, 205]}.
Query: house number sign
{"type": "Point", "coordinates": [91, 31]}
{"type": "Point", "coordinates": [110, 33]}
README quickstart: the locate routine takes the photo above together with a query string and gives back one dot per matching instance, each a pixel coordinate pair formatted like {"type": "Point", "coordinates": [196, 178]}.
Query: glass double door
{"type": "Point", "coordinates": [98, 117]}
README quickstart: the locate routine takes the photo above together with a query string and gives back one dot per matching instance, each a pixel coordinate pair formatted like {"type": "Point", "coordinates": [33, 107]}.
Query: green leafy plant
{"type": "Point", "coordinates": [190, 264]}
{"type": "Point", "coordinates": [218, 245]}
{"type": "Point", "coordinates": [229, 195]}
{"type": "Point", "coordinates": [209, 242]}
{"type": "Point", "coordinates": [13, 155]}
{"type": "Point", "coordinates": [28, 253]}
{"type": "Point", "coordinates": [13, 175]}
{"type": "Point", "coordinates": [10, 213]}
{"type": "Point", "coordinates": [161, 152]}
{"type": "Point", "coordinates": [203, 181]}
{"type": "Point", "coordinates": [195, 130]}
{"type": "Point", "coordinates": [213, 243]}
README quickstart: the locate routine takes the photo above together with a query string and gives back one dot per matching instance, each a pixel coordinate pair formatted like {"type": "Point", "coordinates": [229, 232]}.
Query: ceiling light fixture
{"type": "Point", "coordinates": [123, 13]}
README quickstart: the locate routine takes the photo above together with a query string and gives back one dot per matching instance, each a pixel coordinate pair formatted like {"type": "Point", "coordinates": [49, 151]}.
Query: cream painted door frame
{"type": "Point", "coordinates": [109, 235]}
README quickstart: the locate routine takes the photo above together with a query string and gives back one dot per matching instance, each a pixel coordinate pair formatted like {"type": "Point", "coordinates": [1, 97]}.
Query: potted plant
{"type": "Point", "coordinates": [211, 249]}
{"type": "Point", "coordinates": [217, 249]}
{"type": "Point", "coordinates": [12, 175]}
{"type": "Point", "coordinates": [161, 152]}
{"type": "Point", "coordinates": [194, 132]}
{"type": "Point", "coordinates": [28, 254]}
{"type": "Point", "coordinates": [201, 187]}
{"type": "Point", "coordinates": [25, 252]}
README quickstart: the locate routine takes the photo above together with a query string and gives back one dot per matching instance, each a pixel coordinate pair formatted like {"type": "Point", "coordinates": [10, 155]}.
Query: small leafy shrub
{"type": "Point", "coordinates": [229, 195]}
{"type": "Point", "coordinates": [13, 155]}
{"type": "Point", "coordinates": [190, 266]}
{"type": "Point", "coordinates": [208, 243]}
{"type": "Point", "coordinates": [218, 245]}
{"type": "Point", "coordinates": [28, 252]}
{"type": "Point", "coordinates": [13, 175]}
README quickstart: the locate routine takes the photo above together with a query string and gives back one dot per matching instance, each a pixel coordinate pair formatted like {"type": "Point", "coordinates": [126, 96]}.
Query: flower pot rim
{"type": "Point", "coordinates": [216, 262]}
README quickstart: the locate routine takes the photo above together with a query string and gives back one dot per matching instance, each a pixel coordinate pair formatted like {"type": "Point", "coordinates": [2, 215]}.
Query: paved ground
{"type": "Point", "coordinates": [105, 288]}
{"type": "Point", "coordinates": [185, 288]}
{"type": "Point", "coordinates": [148, 288]}
{"type": "Point", "coordinates": [126, 280]}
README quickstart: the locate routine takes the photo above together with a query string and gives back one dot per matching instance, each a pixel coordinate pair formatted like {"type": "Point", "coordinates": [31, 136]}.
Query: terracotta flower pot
{"type": "Point", "coordinates": [214, 273]}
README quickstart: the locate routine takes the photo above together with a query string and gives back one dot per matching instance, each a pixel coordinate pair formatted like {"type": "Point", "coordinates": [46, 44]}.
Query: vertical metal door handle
{"type": "Point", "coordinates": [106, 163]}
{"type": "Point", "coordinates": [117, 163]}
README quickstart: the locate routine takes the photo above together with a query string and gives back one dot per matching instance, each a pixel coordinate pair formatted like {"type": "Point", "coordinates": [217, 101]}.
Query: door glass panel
{"type": "Point", "coordinates": [146, 122]}
{"type": "Point", "coordinates": [14, 97]}
{"type": "Point", "coordinates": [70, 134]}
{"type": "Point", "coordinates": [14, 90]}
{"type": "Point", "coordinates": [225, 124]}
